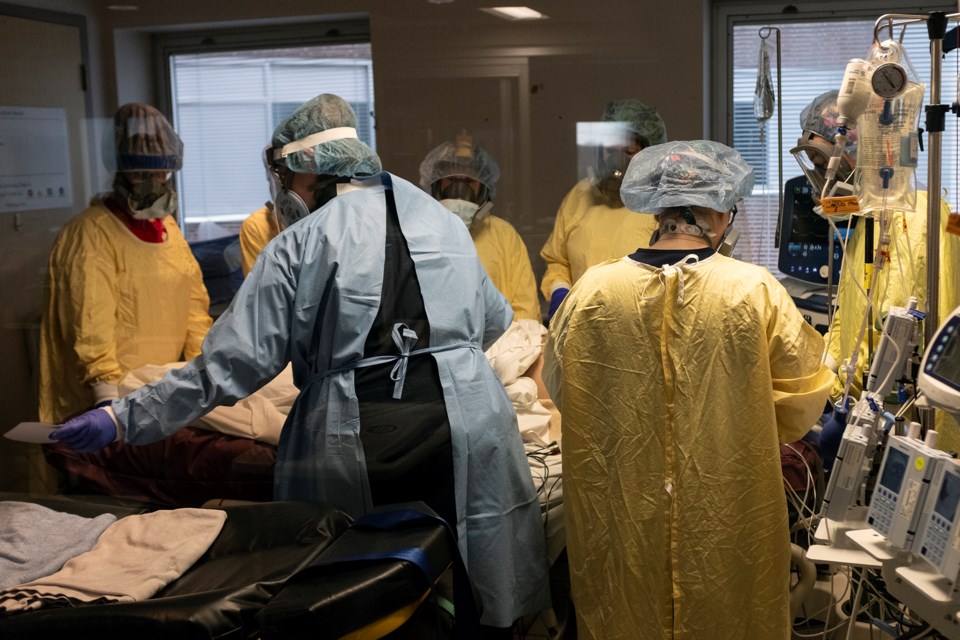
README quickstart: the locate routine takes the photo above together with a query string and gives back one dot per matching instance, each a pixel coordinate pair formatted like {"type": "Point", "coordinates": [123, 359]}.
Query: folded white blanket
{"type": "Point", "coordinates": [35, 541]}
{"type": "Point", "coordinates": [133, 559]}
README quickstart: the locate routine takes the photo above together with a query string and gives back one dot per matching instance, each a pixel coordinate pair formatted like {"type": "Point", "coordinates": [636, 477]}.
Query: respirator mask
{"type": "Point", "coordinates": [682, 220]}
{"type": "Point", "coordinates": [812, 153]}
{"type": "Point", "coordinates": [148, 194]}
{"type": "Point", "coordinates": [464, 196]}
{"type": "Point", "coordinates": [613, 165]}
{"type": "Point", "coordinates": [291, 208]}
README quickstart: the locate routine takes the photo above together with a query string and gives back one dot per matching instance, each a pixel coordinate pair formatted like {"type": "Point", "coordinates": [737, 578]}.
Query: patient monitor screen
{"type": "Point", "coordinates": [804, 248]}
{"type": "Point", "coordinates": [947, 366]}
{"type": "Point", "coordinates": [894, 469]}
{"type": "Point", "coordinates": [949, 496]}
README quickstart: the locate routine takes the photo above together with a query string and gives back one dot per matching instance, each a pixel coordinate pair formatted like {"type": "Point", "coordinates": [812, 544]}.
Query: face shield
{"type": "Point", "coordinates": [812, 153]}
{"type": "Point", "coordinates": [613, 165]}
{"type": "Point", "coordinates": [614, 145]}
{"type": "Point", "coordinates": [290, 207]}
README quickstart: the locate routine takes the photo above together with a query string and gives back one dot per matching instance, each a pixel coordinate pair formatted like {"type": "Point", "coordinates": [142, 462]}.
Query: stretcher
{"type": "Point", "coordinates": [281, 569]}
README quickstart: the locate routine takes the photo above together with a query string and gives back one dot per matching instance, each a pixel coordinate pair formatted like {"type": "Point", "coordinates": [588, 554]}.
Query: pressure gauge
{"type": "Point", "coordinates": [889, 80]}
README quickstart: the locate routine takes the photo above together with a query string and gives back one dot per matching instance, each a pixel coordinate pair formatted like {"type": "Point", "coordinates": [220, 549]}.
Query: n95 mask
{"type": "Point", "coordinates": [469, 212]}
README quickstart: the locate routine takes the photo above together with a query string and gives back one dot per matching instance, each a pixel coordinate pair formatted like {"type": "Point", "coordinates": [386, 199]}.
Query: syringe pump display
{"type": "Point", "coordinates": [937, 541]}
{"type": "Point", "coordinates": [905, 473]}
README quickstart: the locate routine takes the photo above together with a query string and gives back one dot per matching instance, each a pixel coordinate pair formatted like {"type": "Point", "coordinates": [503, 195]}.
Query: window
{"type": "Point", "coordinates": [814, 54]}
{"type": "Point", "coordinates": [226, 104]}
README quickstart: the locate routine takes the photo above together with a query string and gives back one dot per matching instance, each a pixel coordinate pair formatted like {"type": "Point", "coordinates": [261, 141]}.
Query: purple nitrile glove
{"type": "Point", "coordinates": [555, 299]}
{"type": "Point", "coordinates": [90, 431]}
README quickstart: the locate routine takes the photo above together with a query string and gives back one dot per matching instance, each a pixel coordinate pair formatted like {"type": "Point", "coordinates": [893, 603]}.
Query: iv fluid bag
{"type": "Point", "coordinates": [893, 146]}
{"type": "Point", "coordinates": [763, 95]}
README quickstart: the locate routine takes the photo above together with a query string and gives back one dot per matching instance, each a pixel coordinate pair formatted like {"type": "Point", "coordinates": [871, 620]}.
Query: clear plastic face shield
{"type": "Point", "coordinates": [812, 153]}
{"type": "Point", "coordinates": [604, 150]}
{"type": "Point", "coordinates": [289, 206]}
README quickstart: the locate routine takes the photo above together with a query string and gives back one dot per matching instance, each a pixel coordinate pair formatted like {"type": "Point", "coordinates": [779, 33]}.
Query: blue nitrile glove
{"type": "Point", "coordinates": [90, 431]}
{"type": "Point", "coordinates": [555, 299]}
{"type": "Point", "coordinates": [832, 434]}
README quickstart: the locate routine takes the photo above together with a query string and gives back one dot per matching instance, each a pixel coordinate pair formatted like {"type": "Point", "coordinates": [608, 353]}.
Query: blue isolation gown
{"type": "Point", "coordinates": [311, 299]}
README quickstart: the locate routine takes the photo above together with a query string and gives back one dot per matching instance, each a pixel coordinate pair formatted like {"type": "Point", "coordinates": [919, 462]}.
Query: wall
{"type": "Point", "coordinates": [521, 87]}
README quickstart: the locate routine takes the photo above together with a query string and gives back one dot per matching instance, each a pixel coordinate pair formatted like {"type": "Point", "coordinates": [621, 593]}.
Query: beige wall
{"type": "Point", "coordinates": [520, 87]}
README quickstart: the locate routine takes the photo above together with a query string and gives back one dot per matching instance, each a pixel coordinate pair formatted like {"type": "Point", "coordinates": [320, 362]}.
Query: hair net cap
{"type": "Point", "coordinates": [345, 157]}
{"type": "Point", "coordinates": [144, 140]}
{"type": "Point", "coordinates": [460, 159]}
{"type": "Point", "coordinates": [820, 117]}
{"type": "Point", "coordinates": [686, 174]}
{"type": "Point", "coordinates": [641, 119]}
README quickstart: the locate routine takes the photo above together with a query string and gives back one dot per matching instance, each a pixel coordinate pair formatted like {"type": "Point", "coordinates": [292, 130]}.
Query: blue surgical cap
{"type": "Point", "coordinates": [686, 174]}
{"type": "Point", "coordinates": [346, 157]}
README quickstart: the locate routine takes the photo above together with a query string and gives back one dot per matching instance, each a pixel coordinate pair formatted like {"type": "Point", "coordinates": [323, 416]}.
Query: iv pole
{"type": "Point", "coordinates": [935, 112]}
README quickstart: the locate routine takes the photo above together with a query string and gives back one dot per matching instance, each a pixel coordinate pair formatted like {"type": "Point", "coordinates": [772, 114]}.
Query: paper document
{"type": "Point", "coordinates": [31, 432]}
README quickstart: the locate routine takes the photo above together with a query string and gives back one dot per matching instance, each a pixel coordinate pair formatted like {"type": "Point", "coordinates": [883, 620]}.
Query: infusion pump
{"type": "Point", "coordinates": [921, 526]}
{"type": "Point", "coordinates": [939, 377]}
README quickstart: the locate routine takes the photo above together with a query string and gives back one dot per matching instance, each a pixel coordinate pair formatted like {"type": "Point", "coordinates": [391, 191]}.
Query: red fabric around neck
{"type": "Point", "coordinates": [147, 230]}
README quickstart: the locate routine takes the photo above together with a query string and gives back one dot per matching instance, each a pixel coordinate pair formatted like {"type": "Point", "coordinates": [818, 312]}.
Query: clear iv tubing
{"type": "Point", "coordinates": [879, 259]}
{"type": "Point", "coordinates": [843, 265]}
{"type": "Point", "coordinates": [830, 176]}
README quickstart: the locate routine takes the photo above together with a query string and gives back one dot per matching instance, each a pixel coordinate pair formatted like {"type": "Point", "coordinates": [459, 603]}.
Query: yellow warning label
{"type": "Point", "coordinates": [838, 205]}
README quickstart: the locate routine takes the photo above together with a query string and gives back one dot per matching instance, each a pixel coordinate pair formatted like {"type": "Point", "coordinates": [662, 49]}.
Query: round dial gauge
{"type": "Point", "coordinates": [889, 80]}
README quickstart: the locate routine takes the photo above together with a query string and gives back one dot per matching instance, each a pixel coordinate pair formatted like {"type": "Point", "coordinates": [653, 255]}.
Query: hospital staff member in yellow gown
{"type": "Point", "coordinates": [463, 177]}
{"type": "Point", "coordinates": [124, 287]}
{"type": "Point", "coordinates": [678, 372]}
{"type": "Point", "coordinates": [261, 226]}
{"type": "Point", "coordinates": [592, 225]}
{"type": "Point", "coordinates": [903, 276]}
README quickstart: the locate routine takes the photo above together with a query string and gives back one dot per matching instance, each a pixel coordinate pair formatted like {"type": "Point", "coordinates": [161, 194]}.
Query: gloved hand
{"type": "Point", "coordinates": [832, 434]}
{"type": "Point", "coordinates": [555, 299]}
{"type": "Point", "coordinates": [90, 431]}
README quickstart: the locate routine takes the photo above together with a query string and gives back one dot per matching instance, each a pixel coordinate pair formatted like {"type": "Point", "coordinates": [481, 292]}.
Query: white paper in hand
{"type": "Point", "coordinates": [37, 432]}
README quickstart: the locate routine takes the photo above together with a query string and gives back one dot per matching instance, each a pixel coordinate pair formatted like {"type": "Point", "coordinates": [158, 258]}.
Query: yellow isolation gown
{"type": "Point", "coordinates": [504, 256]}
{"type": "Point", "coordinates": [259, 228]}
{"type": "Point", "coordinates": [115, 303]}
{"type": "Point", "coordinates": [587, 232]}
{"type": "Point", "coordinates": [676, 386]}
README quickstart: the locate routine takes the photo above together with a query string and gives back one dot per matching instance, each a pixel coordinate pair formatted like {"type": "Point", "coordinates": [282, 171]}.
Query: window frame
{"type": "Point", "coordinates": [731, 15]}
{"type": "Point", "coordinates": [726, 13]}
{"type": "Point", "coordinates": [343, 29]}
